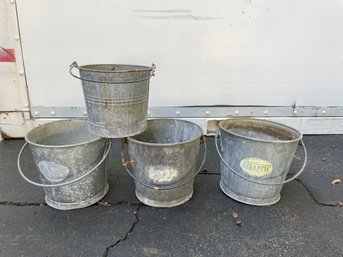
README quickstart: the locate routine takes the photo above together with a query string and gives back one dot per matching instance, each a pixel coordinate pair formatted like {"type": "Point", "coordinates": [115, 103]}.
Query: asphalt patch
{"type": "Point", "coordinates": [296, 226]}
{"type": "Point", "coordinates": [43, 231]}
{"type": "Point", "coordinates": [324, 164]}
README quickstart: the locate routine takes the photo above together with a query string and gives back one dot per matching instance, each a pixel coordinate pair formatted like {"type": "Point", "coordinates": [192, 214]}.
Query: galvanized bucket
{"type": "Point", "coordinates": [116, 97]}
{"type": "Point", "coordinates": [255, 159]}
{"type": "Point", "coordinates": [164, 160]}
{"type": "Point", "coordinates": [71, 162]}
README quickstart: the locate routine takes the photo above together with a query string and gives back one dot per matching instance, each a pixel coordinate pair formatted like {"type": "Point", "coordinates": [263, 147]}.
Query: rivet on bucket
{"type": "Point", "coordinates": [72, 163]}
{"type": "Point", "coordinates": [116, 97]}
{"type": "Point", "coordinates": [163, 161]}
{"type": "Point", "coordinates": [255, 159]}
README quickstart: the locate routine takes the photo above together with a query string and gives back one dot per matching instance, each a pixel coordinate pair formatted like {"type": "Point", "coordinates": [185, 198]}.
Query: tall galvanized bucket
{"type": "Point", "coordinates": [163, 161]}
{"type": "Point", "coordinates": [116, 97]}
{"type": "Point", "coordinates": [71, 162]}
{"type": "Point", "coordinates": [255, 159]}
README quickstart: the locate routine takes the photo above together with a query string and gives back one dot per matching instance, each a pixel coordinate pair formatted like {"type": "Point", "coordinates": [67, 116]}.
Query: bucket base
{"type": "Point", "coordinates": [160, 204]}
{"type": "Point", "coordinates": [77, 205]}
{"type": "Point", "coordinates": [249, 200]}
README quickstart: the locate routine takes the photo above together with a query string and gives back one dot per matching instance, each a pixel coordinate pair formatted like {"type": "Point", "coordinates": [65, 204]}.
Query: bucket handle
{"type": "Point", "coordinates": [107, 150]}
{"type": "Point", "coordinates": [166, 187]}
{"type": "Point", "coordinates": [258, 182]}
{"type": "Point", "coordinates": [75, 65]}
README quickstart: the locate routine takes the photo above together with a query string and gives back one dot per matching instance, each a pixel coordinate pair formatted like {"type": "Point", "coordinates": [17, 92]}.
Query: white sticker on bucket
{"type": "Point", "coordinates": [52, 171]}
{"type": "Point", "coordinates": [161, 173]}
{"type": "Point", "coordinates": [256, 167]}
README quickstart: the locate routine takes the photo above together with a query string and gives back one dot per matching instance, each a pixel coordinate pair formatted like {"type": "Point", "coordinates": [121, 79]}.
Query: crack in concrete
{"type": "Point", "coordinates": [127, 233]}
{"type": "Point", "coordinates": [339, 204]}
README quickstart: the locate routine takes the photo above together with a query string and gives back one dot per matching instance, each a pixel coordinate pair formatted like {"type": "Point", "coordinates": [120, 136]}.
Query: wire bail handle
{"type": "Point", "coordinates": [75, 65]}
{"type": "Point", "coordinates": [178, 184]}
{"type": "Point", "coordinates": [106, 151]}
{"type": "Point", "coordinates": [258, 182]}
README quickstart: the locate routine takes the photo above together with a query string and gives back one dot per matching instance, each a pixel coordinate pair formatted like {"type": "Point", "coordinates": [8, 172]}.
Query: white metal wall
{"type": "Point", "coordinates": [12, 83]}
{"type": "Point", "coordinates": [225, 52]}
{"type": "Point", "coordinates": [14, 103]}
{"type": "Point", "coordinates": [244, 52]}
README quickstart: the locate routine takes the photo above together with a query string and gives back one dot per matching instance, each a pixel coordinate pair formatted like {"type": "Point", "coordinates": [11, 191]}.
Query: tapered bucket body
{"type": "Point", "coordinates": [260, 152]}
{"type": "Point", "coordinates": [116, 98]}
{"type": "Point", "coordinates": [64, 151]}
{"type": "Point", "coordinates": [163, 156]}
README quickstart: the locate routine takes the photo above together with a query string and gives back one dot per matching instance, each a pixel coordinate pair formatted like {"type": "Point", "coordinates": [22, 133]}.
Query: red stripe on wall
{"type": "Point", "coordinates": [7, 55]}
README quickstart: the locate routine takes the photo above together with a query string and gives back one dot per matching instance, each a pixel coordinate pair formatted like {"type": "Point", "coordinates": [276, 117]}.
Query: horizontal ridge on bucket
{"type": "Point", "coordinates": [255, 159]}
{"type": "Point", "coordinates": [163, 161]}
{"type": "Point", "coordinates": [72, 163]}
{"type": "Point", "coordinates": [116, 97]}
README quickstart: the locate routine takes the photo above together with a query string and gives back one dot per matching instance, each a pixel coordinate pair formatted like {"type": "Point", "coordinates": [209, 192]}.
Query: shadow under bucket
{"type": "Point", "coordinates": [255, 159]}
{"type": "Point", "coordinates": [163, 161]}
{"type": "Point", "coordinates": [71, 162]}
{"type": "Point", "coordinates": [116, 97]}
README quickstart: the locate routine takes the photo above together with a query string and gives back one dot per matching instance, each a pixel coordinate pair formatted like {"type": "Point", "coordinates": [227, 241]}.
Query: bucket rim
{"type": "Point", "coordinates": [169, 144]}
{"type": "Point", "coordinates": [300, 135]}
{"type": "Point", "coordinates": [138, 68]}
{"type": "Point", "coordinates": [60, 146]}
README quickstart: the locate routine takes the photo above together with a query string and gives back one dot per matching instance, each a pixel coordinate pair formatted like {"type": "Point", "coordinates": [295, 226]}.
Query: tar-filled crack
{"type": "Point", "coordinates": [338, 204]}
{"type": "Point", "coordinates": [127, 233]}
{"type": "Point", "coordinates": [315, 200]}
{"type": "Point", "coordinates": [125, 202]}
{"type": "Point", "coordinates": [8, 203]}
{"type": "Point", "coordinates": [205, 172]}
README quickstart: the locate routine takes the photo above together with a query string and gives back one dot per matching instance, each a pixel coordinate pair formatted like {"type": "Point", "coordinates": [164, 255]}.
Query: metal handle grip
{"type": "Point", "coordinates": [107, 150]}
{"type": "Point", "coordinates": [75, 65]}
{"type": "Point", "coordinates": [173, 185]}
{"type": "Point", "coordinates": [258, 182]}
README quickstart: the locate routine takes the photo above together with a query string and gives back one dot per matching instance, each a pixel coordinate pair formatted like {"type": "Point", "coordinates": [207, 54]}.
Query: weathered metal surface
{"type": "Point", "coordinates": [14, 124]}
{"type": "Point", "coordinates": [4, 135]}
{"type": "Point", "coordinates": [64, 151]}
{"type": "Point", "coordinates": [205, 111]}
{"type": "Point", "coordinates": [116, 98]}
{"type": "Point", "coordinates": [17, 126]}
{"type": "Point", "coordinates": [162, 156]}
{"type": "Point", "coordinates": [13, 88]}
{"type": "Point", "coordinates": [227, 52]}
{"type": "Point", "coordinates": [260, 151]}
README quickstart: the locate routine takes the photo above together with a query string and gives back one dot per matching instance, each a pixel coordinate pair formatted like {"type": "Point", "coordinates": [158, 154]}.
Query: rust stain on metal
{"type": "Point", "coordinates": [4, 114]}
{"type": "Point", "coordinates": [180, 17]}
{"type": "Point", "coordinates": [164, 11]}
{"type": "Point", "coordinates": [173, 14]}
{"type": "Point", "coordinates": [4, 135]}
{"type": "Point", "coordinates": [202, 139]}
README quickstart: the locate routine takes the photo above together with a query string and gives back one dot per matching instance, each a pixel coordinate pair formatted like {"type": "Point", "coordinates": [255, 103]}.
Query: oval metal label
{"type": "Point", "coordinates": [256, 167]}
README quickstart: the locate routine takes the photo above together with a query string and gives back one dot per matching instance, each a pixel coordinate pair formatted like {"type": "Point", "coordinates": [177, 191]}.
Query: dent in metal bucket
{"type": "Point", "coordinates": [256, 156]}
{"type": "Point", "coordinates": [116, 97]}
{"type": "Point", "coordinates": [71, 163]}
{"type": "Point", "coordinates": [164, 161]}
